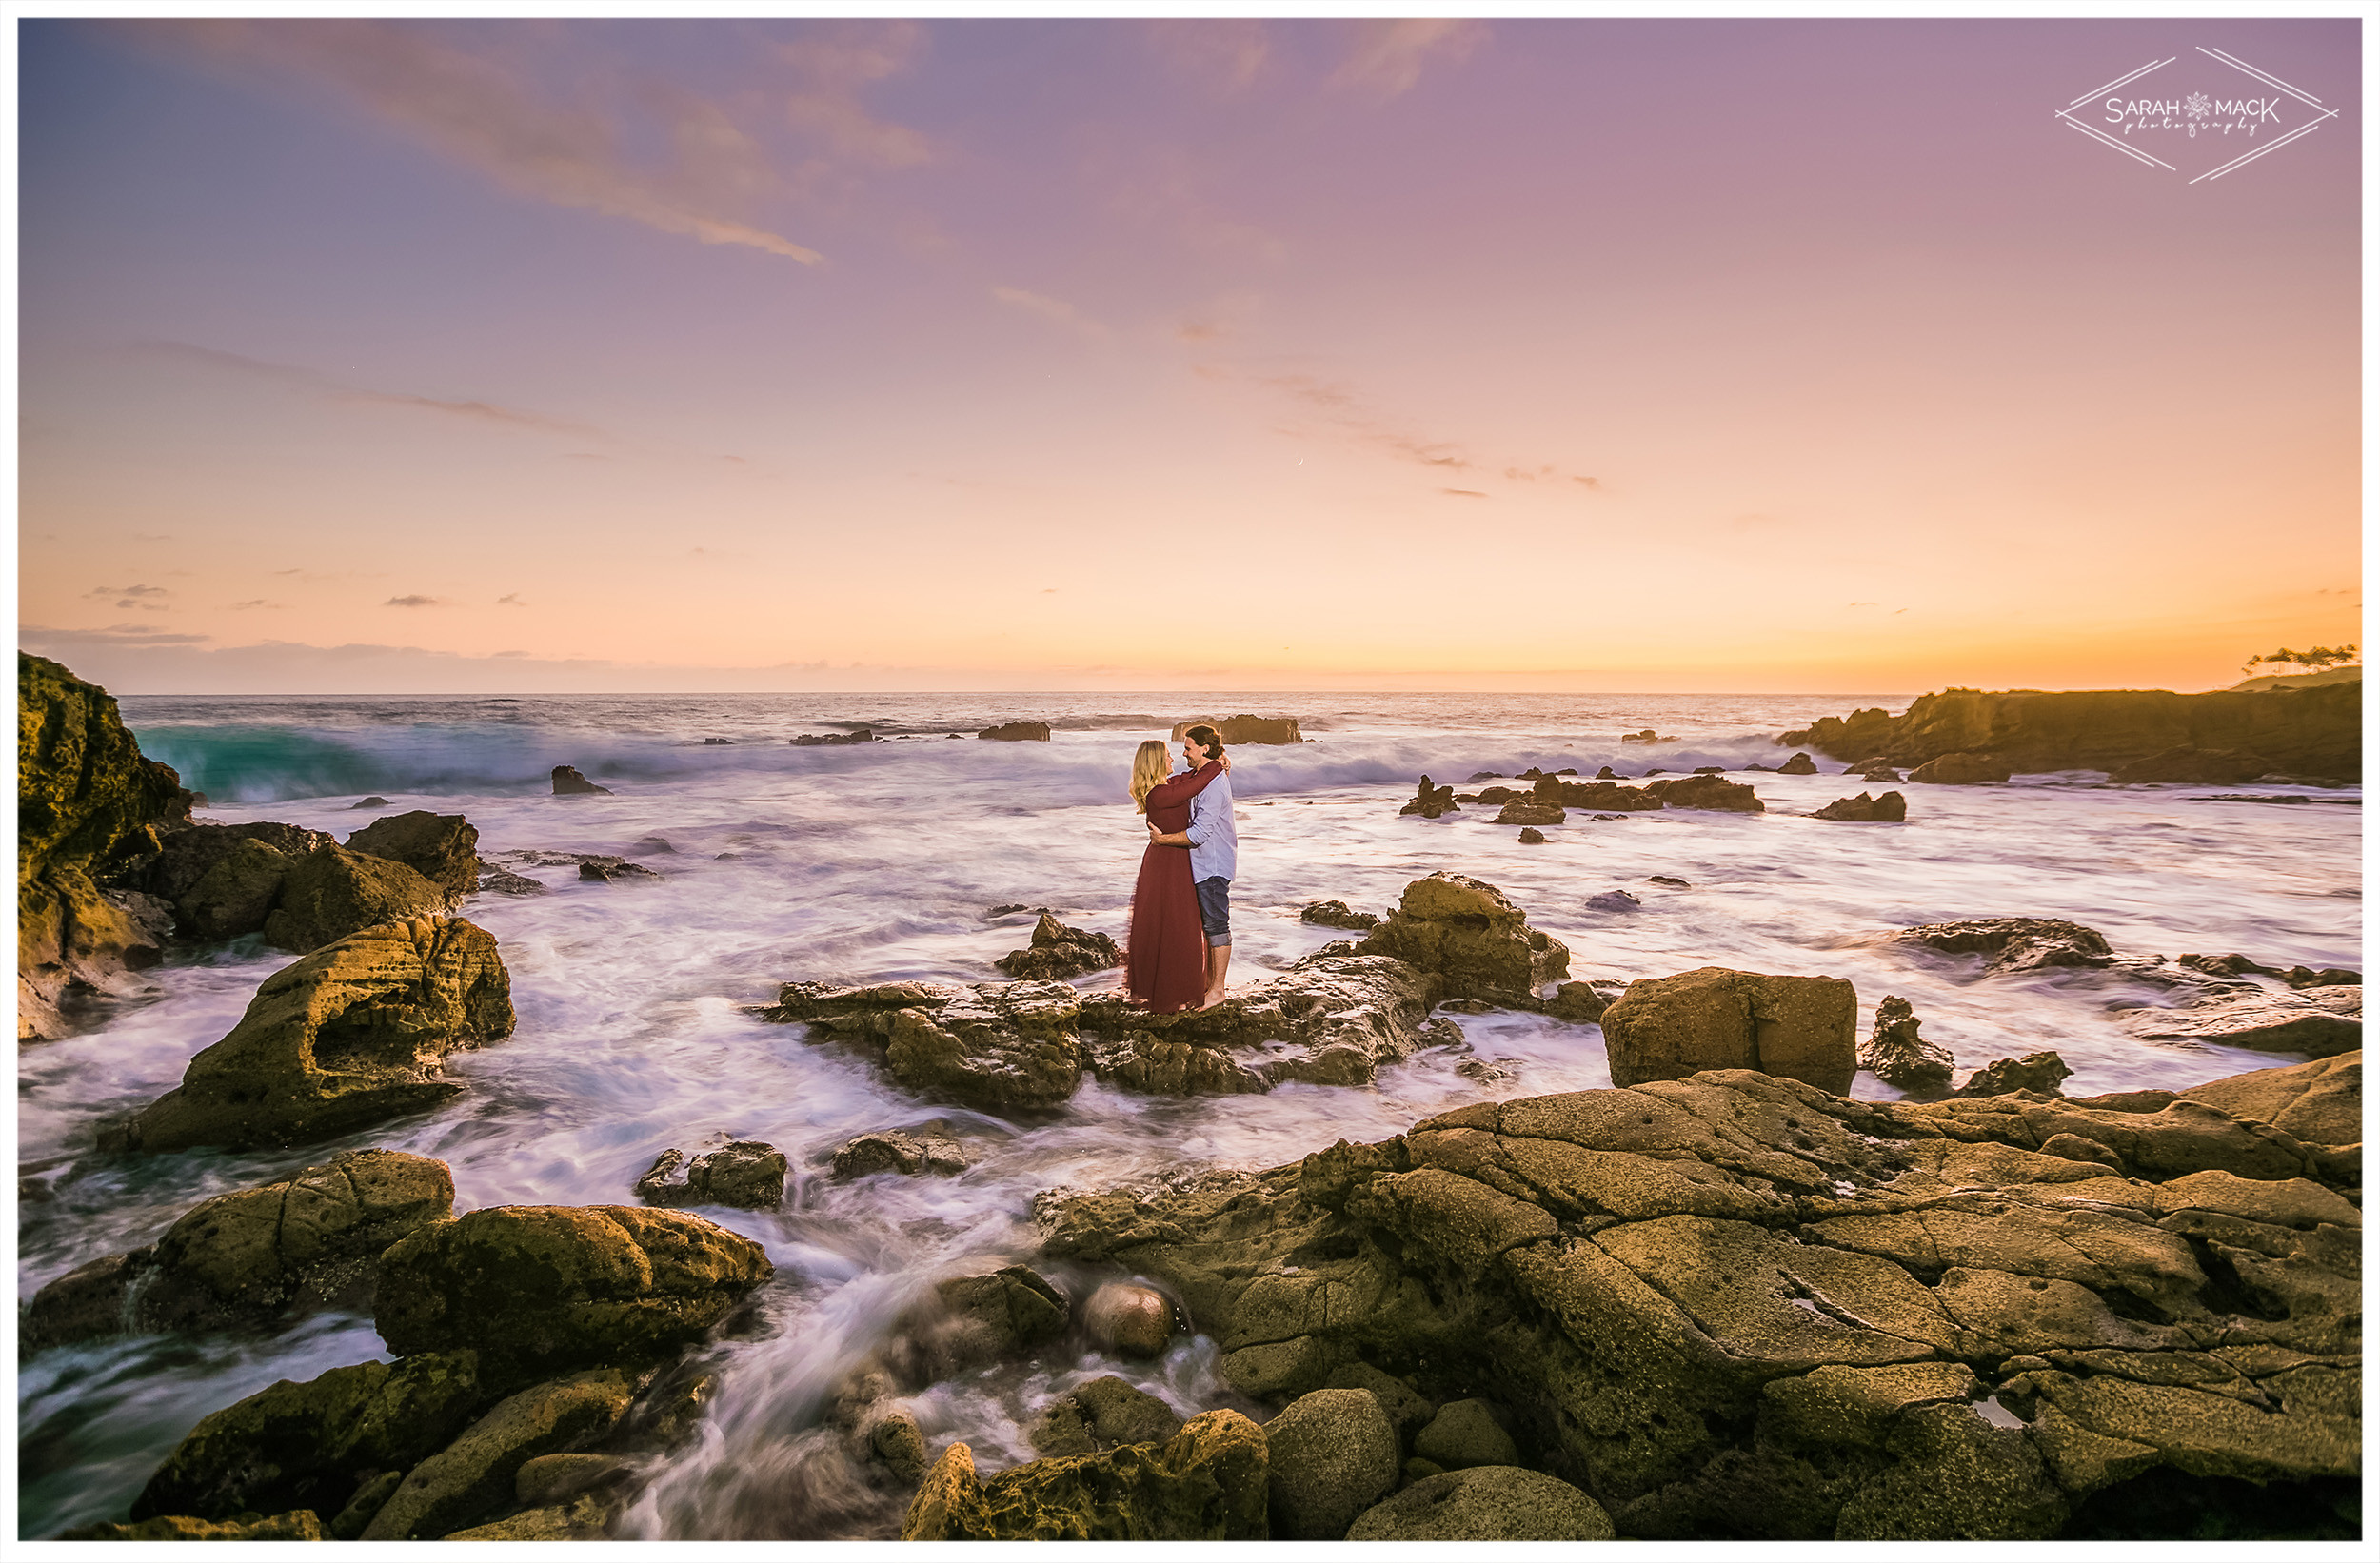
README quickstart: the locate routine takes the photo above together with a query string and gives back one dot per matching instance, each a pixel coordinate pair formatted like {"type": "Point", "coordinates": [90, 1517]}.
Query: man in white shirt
{"type": "Point", "coordinates": [1214, 843]}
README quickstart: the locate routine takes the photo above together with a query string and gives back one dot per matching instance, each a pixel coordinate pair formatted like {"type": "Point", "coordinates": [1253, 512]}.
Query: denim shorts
{"type": "Point", "coordinates": [1214, 909]}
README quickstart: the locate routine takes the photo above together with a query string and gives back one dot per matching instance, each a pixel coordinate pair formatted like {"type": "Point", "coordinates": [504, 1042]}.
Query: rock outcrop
{"type": "Point", "coordinates": [1430, 801]}
{"type": "Point", "coordinates": [2016, 944]}
{"type": "Point", "coordinates": [1247, 729]}
{"type": "Point", "coordinates": [900, 1151]}
{"type": "Point", "coordinates": [1892, 808]}
{"type": "Point", "coordinates": [1706, 792]}
{"type": "Point", "coordinates": [1962, 771]}
{"type": "Point", "coordinates": [1207, 1483]}
{"type": "Point", "coordinates": [223, 880]}
{"type": "Point", "coordinates": [1103, 1415]}
{"type": "Point", "coordinates": [2315, 731]}
{"type": "Point", "coordinates": [1895, 1054]}
{"type": "Point", "coordinates": [2041, 1073]}
{"type": "Point", "coordinates": [348, 1035]}
{"type": "Point", "coordinates": [443, 848]}
{"type": "Point", "coordinates": [1801, 1028]}
{"type": "Point", "coordinates": [568, 782]}
{"type": "Point", "coordinates": [1017, 732]}
{"type": "Point", "coordinates": [1338, 914]}
{"type": "Point", "coordinates": [2220, 767]}
{"type": "Point", "coordinates": [2297, 977]}
{"type": "Point", "coordinates": [828, 740]}
{"type": "Point", "coordinates": [1057, 952]}
{"type": "Point", "coordinates": [1733, 1306]}
{"type": "Point", "coordinates": [91, 813]}
{"type": "Point", "coordinates": [744, 1174]}
{"type": "Point", "coordinates": [252, 1257]}
{"type": "Point", "coordinates": [1470, 939]}
{"type": "Point", "coordinates": [1530, 812]}
{"type": "Point", "coordinates": [332, 892]}
{"type": "Point", "coordinates": [538, 1289]}
{"type": "Point", "coordinates": [1802, 764]}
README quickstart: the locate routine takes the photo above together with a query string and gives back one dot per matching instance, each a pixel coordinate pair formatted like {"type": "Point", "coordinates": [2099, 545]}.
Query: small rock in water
{"type": "Point", "coordinates": [1607, 774]}
{"type": "Point", "coordinates": [1017, 732]}
{"type": "Point", "coordinates": [745, 1174]}
{"type": "Point", "coordinates": [504, 881]}
{"type": "Point", "coordinates": [927, 1150]}
{"type": "Point", "coordinates": [567, 782]}
{"type": "Point", "coordinates": [2016, 944]}
{"type": "Point", "coordinates": [1478, 777]}
{"type": "Point", "coordinates": [817, 740]}
{"type": "Point", "coordinates": [1104, 1414]}
{"type": "Point", "coordinates": [1130, 1319]}
{"type": "Point", "coordinates": [1577, 1002]}
{"type": "Point", "coordinates": [1057, 952]}
{"type": "Point", "coordinates": [1532, 836]}
{"type": "Point", "coordinates": [608, 869]}
{"type": "Point", "coordinates": [1430, 801]}
{"type": "Point", "coordinates": [718, 741]}
{"type": "Point", "coordinates": [1338, 914]}
{"type": "Point", "coordinates": [375, 801]}
{"type": "Point", "coordinates": [1530, 812]}
{"type": "Point", "coordinates": [1802, 764]}
{"type": "Point", "coordinates": [1897, 1056]}
{"type": "Point", "coordinates": [1892, 808]}
{"type": "Point", "coordinates": [1673, 882]}
{"type": "Point", "coordinates": [1613, 900]}
{"type": "Point", "coordinates": [1710, 770]}
{"type": "Point", "coordinates": [2034, 1072]}
{"type": "Point", "coordinates": [652, 844]}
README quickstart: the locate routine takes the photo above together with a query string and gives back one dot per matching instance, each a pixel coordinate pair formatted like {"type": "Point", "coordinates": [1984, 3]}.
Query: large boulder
{"type": "Point", "coordinates": [1469, 938]}
{"type": "Point", "coordinates": [2321, 1022]}
{"type": "Point", "coordinates": [1331, 1455]}
{"type": "Point", "coordinates": [2016, 944]}
{"type": "Point", "coordinates": [224, 879]}
{"type": "Point", "coordinates": [1706, 792]}
{"type": "Point", "coordinates": [352, 1033]}
{"type": "Point", "coordinates": [1895, 1054]}
{"type": "Point", "coordinates": [1736, 1306]}
{"type": "Point", "coordinates": [91, 813]}
{"type": "Point", "coordinates": [546, 1289]}
{"type": "Point", "coordinates": [1798, 1027]}
{"type": "Point", "coordinates": [1205, 1483]}
{"type": "Point", "coordinates": [1057, 952]}
{"type": "Point", "coordinates": [302, 1445]}
{"type": "Point", "coordinates": [1130, 1320]}
{"type": "Point", "coordinates": [1486, 1503]}
{"type": "Point", "coordinates": [332, 892]}
{"type": "Point", "coordinates": [474, 1476]}
{"type": "Point", "coordinates": [443, 848]}
{"type": "Point", "coordinates": [254, 1256]}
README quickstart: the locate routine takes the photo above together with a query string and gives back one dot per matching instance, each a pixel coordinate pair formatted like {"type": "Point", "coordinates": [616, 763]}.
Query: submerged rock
{"type": "Point", "coordinates": [2297, 977]}
{"type": "Point", "coordinates": [821, 741]}
{"type": "Point", "coordinates": [1895, 1054]}
{"type": "Point", "coordinates": [2322, 1022]}
{"type": "Point", "coordinates": [443, 848]}
{"type": "Point", "coordinates": [901, 1150]}
{"type": "Point", "coordinates": [2016, 944]}
{"type": "Point", "coordinates": [546, 1289]}
{"type": "Point", "coordinates": [2037, 1072]}
{"type": "Point", "coordinates": [745, 1174]}
{"type": "Point", "coordinates": [1892, 808]}
{"type": "Point", "coordinates": [1057, 952]}
{"type": "Point", "coordinates": [567, 782]}
{"type": "Point", "coordinates": [603, 870]}
{"type": "Point", "coordinates": [309, 1240]}
{"type": "Point", "coordinates": [350, 1034]}
{"type": "Point", "coordinates": [1802, 1028]}
{"type": "Point", "coordinates": [1205, 1483]}
{"type": "Point", "coordinates": [1736, 1306]}
{"type": "Point", "coordinates": [1104, 1414]}
{"type": "Point", "coordinates": [971, 1320]}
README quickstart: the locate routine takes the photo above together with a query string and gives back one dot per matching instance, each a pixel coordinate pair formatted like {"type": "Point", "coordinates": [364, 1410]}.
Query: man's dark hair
{"type": "Point", "coordinates": [1206, 738]}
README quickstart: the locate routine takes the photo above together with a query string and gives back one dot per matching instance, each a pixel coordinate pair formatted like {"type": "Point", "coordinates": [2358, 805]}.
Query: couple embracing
{"type": "Point", "coordinates": [1179, 945]}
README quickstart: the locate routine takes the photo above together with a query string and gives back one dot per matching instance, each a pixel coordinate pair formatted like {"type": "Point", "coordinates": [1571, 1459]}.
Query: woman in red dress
{"type": "Point", "coordinates": [1165, 950]}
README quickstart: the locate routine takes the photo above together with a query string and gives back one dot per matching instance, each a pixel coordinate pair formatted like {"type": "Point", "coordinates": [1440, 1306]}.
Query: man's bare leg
{"type": "Point", "coordinates": [1218, 963]}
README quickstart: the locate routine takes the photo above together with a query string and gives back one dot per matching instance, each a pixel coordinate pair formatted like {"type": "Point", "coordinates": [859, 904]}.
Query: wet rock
{"type": "Point", "coordinates": [925, 1151]}
{"type": "Point", "coordinates": [895, 1442]}
{"type": "Point", "coordinates": [331, 893]}
{"type": "Point", "coordinates": [1129, 1319]}
{"type": "Point", "coordinates": [2323, 1022]}
{"type": "Point", "coordinates": [822, 741]}
{"type": "Point", "coordinates": [370, 1492]}
{"type": "Point", "coordinates": [744, 1174]}
{"type": "Point", "coordinates": [1577, 1002]}
{"type": "Point", "coordinates": [1465, 1433]}
{"type": "Point", "coordinates": [1018, 732]}
{"type": "Point", "coordinates": [443, 848]}
{"type": "Point", "coordinates": [1207, 1483]}
{"type": "Point", "coordinates": [1892, 808]}
{"type": "Point", "coordinates": [2222, 767]}
{"type": "Point", "coordinates": [1801, 1028]}
{"type": "Point", "coordinates": [1468, 936]}
{"type": "Point", "coordinates": [1533, 837]}
{"type": "Point", "coordinates": [302, 1525]}
{"type": "Point", "coordinates": [1333, 1019]}
{"type": "Point", "coordinates": [1530, 813]}
{"type": "Point", "coordinates": [1882, 773]}
{"type": "Point", "coordinates": [1016, 1045]}
{"type": "Point", "coordinates": [586, 1517]}
{"type": "Point", "coordinates": [1487, 1503]}
{"type": "Point", "coordinates": [1104, 1414]}
{"type": "Point", "coordinates": [610, 870]}
{"type": "Point", "coordinates": [2040, 1071]}
{"type": "Point", "coordinates": [1615, 901]}
{"type": "Point", "coordinates": [1247, 729]}
{"type": "Point", "coordinates": [1338, 914]}
{"type": "Point", "coordinates": [1331, 1455]}
{"type": "Point", "coordinates": [302, 1445]}
{"type": "Point", "coordinates": [550, 1480]}
{"type": "Point", "coordinates": [2014, 945]}
{"type": "Point", "coordinates": [567, 782]}
{"type": "Point", "coordinates": [2320, 1104]}
{"type": "Point", "coordinates": [649, 846]}
{"type": "Point", "coordinates": [474, 1476]}
{"type": "Point", "coordinates": [1701, 791]}
{"type": "Point", "coordinates": [308, 1241]}
{"type": "Point", "coordinates": [543, 1289]}
{"type": "Point", "coordinates": [2297, 977]}
{"type": "Point", "coordinates": [1962, 771]}
{"type": "Point", "coordinates": [1671, 881]}
{"type": "Point", "coordinates": [374, 801]}
{"type": "Point", "coordinates": [503, 881]}
{"type": "Point", "coordinates": [1430, 801]}
{"type": "Point", "coordinates": [1895, 1054]}
{"type": "Point", "coordinates": [350, 1034]}
{"type": "Point", "coordinates": [1802, 764]}
{"type": "Point", "coordinates": [1057, 952]}
{"type": "Point", "coordinates": [236, 895]}
{"type": "Point", "coordinates": [971, 1320]}
{"type": "Point", "coordinates": [92, 814]}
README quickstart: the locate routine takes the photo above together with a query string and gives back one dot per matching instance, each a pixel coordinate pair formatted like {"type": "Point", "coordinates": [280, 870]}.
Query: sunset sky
{"type": "Point", "coordinates": [1594, 355]}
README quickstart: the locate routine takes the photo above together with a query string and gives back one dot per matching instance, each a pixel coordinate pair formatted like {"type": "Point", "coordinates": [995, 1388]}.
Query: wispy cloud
{"type": "Point", "coordinates": [510, 600]}
{"type": "Point", "coordinates": [1464, 493]}
{"type": "Point", "coordinates": [255, 603]}
{"type": "Point", "coordinates": [1225, 53]}
{"type": "Point", "coordinates": [415, 601]}
{"type": "Point", "coordinates": [1388, 57]}
{"type": "Point", "coordinates": [1057, 311]}
{"type": "Point", "coordinates": [44, 638]}
{"type": "Point", "coordinates": [496, 121]}
{"type": "Point", "coordinates": [834, 64]}
{"type": "Point", "coordinates": [313, 380]}
{"type": "Point", "coordinates": [150, 599]}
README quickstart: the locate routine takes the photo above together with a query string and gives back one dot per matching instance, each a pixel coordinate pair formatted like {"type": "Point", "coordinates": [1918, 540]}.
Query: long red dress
{"type": "Point", "coordinates": [1165, 950]}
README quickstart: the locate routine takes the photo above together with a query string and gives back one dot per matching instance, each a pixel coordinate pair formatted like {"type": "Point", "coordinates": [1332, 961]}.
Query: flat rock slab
{"type": "Point", "coordinates": [2322, 1022]}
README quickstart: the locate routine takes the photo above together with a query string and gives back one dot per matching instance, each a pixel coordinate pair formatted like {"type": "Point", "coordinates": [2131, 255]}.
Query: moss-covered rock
{"type": "Point", "coordinates": [474, 1476]}
{"type": "Point", "coordinates": [1207, 1483]}
{"type": "Point", "coordinates": [350, 1034]}
{"type": "Point", "coordinates": [1486, 1503]}
{"type": "Point", "coordinates": [91, 813]}
{"type": "Point", "coordinates": [1470, 937]}
{"type": "Point", "coordinates": [443, 848]}
{"type": "Point", "coordinates": [544, 1289]}
{"type": "Point", "coordinates": [306, 1445]}
{"type": "Point", "coordinates": [303, 1525]}
{"type": "Point", "coordinates": [309, 1240]}
{"type": "Point", "coordinates": [1794, 1027]}
{"type": "Point", "coordinates": [333, 893]}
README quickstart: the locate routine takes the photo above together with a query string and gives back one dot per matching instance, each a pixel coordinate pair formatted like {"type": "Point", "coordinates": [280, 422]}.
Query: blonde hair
{"type": "Point", "coordinates": [1151, 763]}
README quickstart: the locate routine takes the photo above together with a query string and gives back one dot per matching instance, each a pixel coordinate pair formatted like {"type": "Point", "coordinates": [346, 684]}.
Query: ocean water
{"type": "Point", "coordinates": [882, 861]}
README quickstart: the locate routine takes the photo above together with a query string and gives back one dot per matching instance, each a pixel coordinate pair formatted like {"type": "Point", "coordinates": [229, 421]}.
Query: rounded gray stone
{"type": "Point", "coordinates": [1331, 1455]}
{"type": "Point", "coordinates": [1486, 1503]}
{"type": "Point", "coordinates": [1464, 1435]}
